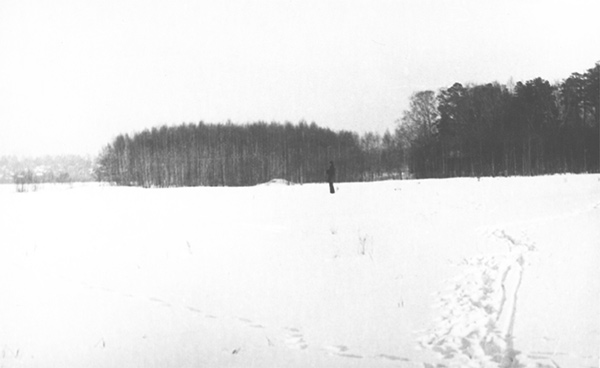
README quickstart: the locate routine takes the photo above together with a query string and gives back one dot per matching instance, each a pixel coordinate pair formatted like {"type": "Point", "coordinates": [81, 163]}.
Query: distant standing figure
{"type": "Point", "coordinates": [331, 176]}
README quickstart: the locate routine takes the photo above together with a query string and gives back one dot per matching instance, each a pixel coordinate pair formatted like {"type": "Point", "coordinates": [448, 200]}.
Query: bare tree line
{"type": "Point", "coordinates": [238, 155]}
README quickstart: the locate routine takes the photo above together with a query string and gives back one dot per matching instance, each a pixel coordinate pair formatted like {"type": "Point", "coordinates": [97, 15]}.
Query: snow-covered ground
{"type": "Point", "coordinates": [457, 272]}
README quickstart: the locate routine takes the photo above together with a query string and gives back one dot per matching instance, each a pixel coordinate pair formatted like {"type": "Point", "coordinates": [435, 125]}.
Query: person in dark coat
{"type": "Point", "coordinates": [331, 176]}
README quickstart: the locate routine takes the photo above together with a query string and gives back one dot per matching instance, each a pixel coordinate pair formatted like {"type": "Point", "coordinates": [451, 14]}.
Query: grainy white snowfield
{"type": "Point", "coordinates": [387, 274]}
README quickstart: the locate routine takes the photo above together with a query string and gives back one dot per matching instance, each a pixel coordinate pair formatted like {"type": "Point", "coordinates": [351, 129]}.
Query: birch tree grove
{"type": "Point", "coordinates": [239, 155]}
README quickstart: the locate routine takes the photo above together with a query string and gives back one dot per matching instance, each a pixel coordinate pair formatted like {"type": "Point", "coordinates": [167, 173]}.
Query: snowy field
{"type": "Point", "coordinates": [457, 272]}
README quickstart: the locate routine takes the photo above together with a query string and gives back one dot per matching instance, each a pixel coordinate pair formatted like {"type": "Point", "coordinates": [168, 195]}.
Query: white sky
{"type": "Point", "coordinates": [74, 74]}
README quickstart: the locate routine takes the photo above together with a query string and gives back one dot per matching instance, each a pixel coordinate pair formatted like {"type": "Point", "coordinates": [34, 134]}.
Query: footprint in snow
{"type": "Point", "coordinates": [294, 339]}
{"type": "Point", "coordinates": [342, 350]}
{"type": "Point", "coordinates": [159, 301]}
{"type": "Point", "coordinates": [250, 323]}
{"type": "Point", "coordinates": [199, 311]}
{"type": "Point", "coordinates": [393, 357]}
{"type": "Point", "coordinates": [195, 310]}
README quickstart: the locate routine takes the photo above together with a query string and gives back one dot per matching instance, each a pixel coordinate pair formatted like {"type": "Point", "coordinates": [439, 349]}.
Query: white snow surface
{"type": "Point", "coordinates": [451, 273]}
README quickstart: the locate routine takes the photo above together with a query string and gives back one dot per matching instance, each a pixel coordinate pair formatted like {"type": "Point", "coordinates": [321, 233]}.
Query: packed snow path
{"type": "Point", "coordinates": [478, 313]}
{"type": "Point", "coordinates": [460, 272]}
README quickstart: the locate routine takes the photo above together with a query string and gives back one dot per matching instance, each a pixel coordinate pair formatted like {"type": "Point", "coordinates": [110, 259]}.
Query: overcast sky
{"type": "Point", "coordinates": [74, 74]}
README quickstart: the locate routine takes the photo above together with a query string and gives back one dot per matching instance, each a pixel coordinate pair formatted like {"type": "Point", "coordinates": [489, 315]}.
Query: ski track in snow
{"type": "Point", "coordinates": [477, 313]}
{"type": "Point", "coordinates": [479, 308]}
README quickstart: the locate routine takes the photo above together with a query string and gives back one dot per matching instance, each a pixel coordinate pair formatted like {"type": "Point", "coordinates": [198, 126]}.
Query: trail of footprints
{"type": "Point", "coordinates": [344, 351]}
{"type": "Point", "coordinates": [291, 337]}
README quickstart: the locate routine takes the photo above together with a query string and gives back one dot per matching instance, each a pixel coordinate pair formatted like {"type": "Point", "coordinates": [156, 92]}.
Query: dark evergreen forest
{"type": "Point", "coordinates": [530, 128]}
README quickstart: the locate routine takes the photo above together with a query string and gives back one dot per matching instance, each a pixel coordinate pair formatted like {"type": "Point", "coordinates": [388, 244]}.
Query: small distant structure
{"type": "Point", "coordinates": [31, 180]}
{"type": "Point", "coordinates": [26, 181]}
{"type": "Point", "coordinates": [278, 182]}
